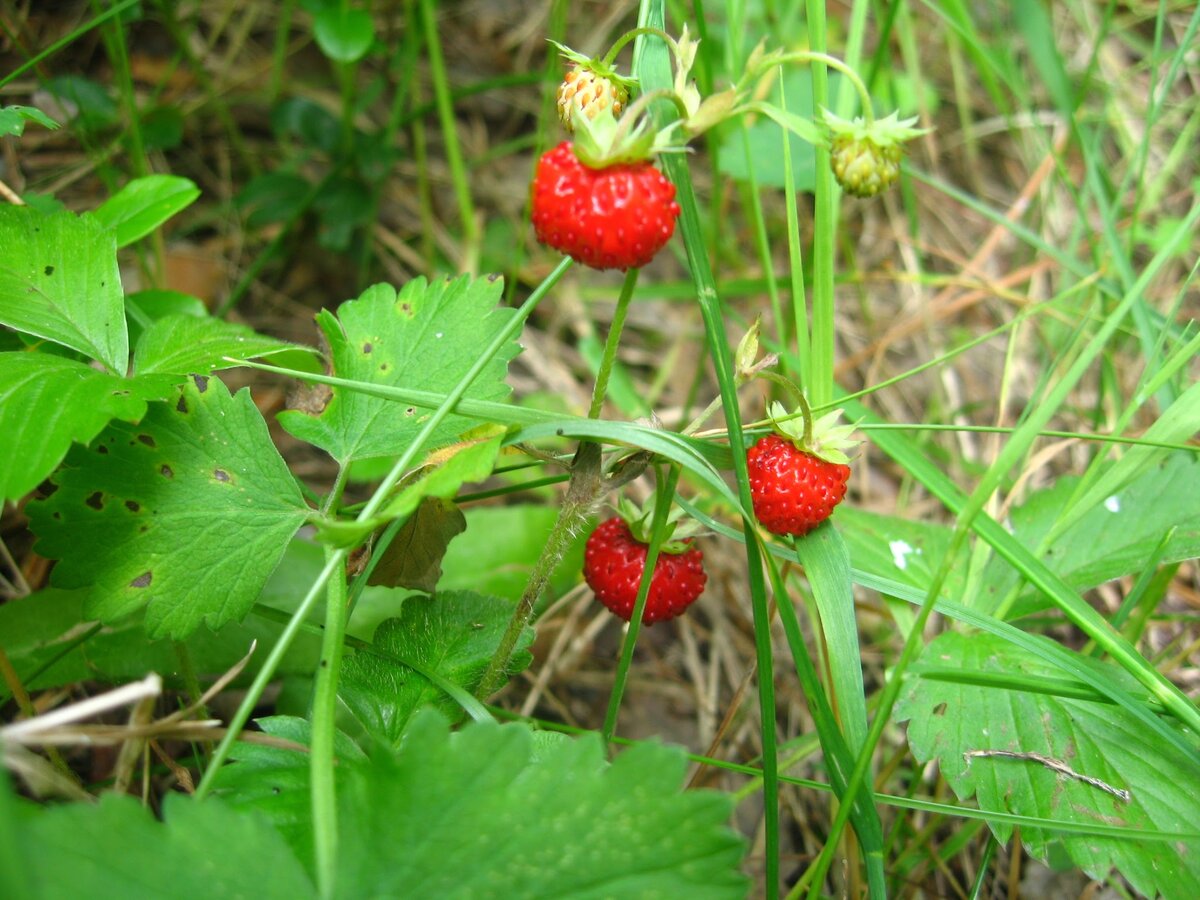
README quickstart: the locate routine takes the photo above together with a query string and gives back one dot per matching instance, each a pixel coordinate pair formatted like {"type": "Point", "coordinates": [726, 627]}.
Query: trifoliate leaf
{"type": "Point", "coordinates": [426, 336]}
{"type": "Point", "coordinates": [47, 402]}
{"type": "Point", "coordinates": [186, 513]}
{"type": "Point", "coordinates": [453, 635]}
{"type": "Point", "coordinates": [116, 849]}
{"type": "Point", "coordinates": [1076, 761]}
{"type": "Point", "coordinates": [482, 813]}
{"type": "Point", "coordinates": [59, 281]}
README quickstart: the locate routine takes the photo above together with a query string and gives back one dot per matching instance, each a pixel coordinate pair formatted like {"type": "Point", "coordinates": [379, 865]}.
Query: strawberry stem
{"type": "Point", "coordinates": [810, 56]}
{"type": "Point", "coordinates": [628, 36]}
{"type": "Point", "coordinates": [610, 345]}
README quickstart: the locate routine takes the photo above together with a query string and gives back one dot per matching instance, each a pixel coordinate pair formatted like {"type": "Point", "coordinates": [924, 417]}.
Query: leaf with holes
{"type": "Point", "coordinates": [186, 513]}
{"type": "Point", "coordinates": [453, 635]}
{"type": "Point", "coordinates": [59, 281]}
{"type": "Point", "coordinates": [426, 336]}
{"type": "Point", "coordinates": [181, 344]}
{"type": "Point", "coordinates": [1103, 750]}
{"type": "Point", "coordinates": [47, 402]}
{"type": "Point", "coordinates": [546, 820]}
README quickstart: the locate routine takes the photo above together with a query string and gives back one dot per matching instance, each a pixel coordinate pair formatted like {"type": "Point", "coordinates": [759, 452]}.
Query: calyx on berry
{"type": "Point", "coordinates": [677, 532]}
{"type": "Point", "coordinates": [823, 437]}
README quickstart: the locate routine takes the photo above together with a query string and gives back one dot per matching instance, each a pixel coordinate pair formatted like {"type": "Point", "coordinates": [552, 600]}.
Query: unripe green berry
{"type": "Point", "coordinates": [862, 167]}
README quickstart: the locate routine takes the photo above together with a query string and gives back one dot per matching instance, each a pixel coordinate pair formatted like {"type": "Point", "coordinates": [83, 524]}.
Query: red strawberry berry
{"type": "Point", "coordinates": [613, 563]}
{"type": "Point", "coordinates": [617, 217]}
{"type": "Point", "coordinates": [793, 491]}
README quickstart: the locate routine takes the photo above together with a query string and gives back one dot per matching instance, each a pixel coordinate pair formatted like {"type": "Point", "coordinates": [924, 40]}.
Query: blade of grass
{"type": "Point", "coordinates": [654, 67]}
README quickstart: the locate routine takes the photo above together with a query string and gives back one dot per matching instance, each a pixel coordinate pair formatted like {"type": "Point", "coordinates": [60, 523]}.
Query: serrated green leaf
{"type": "Point", "coordinates": [1120, 533]}
{"type": "Point", "coordinates": [344, 34]}
{"type": "Point", "coordinates": [1180, 422]}
{"type": "Point", "coordinates": [116, 849]}
{"type": "Point", "coordinates": [183, 344]}
{"type": "Point", "coordinates": [59, 281]}
{"type": "Point", "coordinates": [47, 402]}
{"type": "Point", "coordinates": [186, 513]}
{"type": "Point", "coordinates": [144, 204]}
{"type": "Point", "coordinates": [1099, 741]}
{"type": "Point", "coordinates": [453, 635]}
{"type": "Point", "coordinates": [562, 824]}
{"type": "Point", "coordinates": [414, 557]}
{"type": "Point", "coordinates": [274, 781]}
{"type": "Point", "coordinates": [427, 335]}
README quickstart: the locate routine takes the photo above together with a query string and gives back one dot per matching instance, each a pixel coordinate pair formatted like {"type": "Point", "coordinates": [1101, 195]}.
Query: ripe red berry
{"type": "Point", "coordinates": [793, 491]}
{"type": "Point", "coordinates": [617, 217]}
{"type": "Point", "coordinates": [613, 563]}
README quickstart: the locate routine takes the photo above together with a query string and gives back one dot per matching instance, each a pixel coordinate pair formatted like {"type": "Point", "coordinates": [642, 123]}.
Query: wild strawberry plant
{"type": "Point", "coordinates": [185, 545]}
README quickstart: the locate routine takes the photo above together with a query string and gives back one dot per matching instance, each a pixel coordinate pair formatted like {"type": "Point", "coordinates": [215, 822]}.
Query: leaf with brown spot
{"type": "Point", "coordinates": [150, 524]}
{"type": "Point", "coordinates": [426, 336]}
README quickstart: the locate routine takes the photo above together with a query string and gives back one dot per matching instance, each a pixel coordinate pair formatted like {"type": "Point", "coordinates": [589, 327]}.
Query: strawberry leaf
{"type": "Point", "coordinates": [1102, 742]}
{"type": "Point", "coordinates": [274, 781]}
{"type": "Point", "coordinates": [1116, 537]}
{"type": "Point", "coordinates": [59, 281]}
{"type": "Point", "coordinates": [426, 336]}
{"type": "Point", "coordinates": [487, 811]}
{"type": "Point", "coordinates": [116, 849]}
{"type": "Point", "coordinates": [47, 402]}
{"type": "Point", "coordinates": [186, 513]}
{"type": "Point", "coordinates": [453, 635]}
{"type": "Point", "coordinates": [180, 344]}
{"type": "Point", "coordinates": [144, 204]}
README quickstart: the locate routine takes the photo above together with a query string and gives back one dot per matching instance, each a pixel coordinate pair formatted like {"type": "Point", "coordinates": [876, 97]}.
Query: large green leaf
{"type": "Point", "coordinates": [483, 812]}
{"type": "Point", "coordinates": [274, 781]}
{"type": "Point", "coordinates": [59, 281]}
{"type": "Point", "coordinates": [187, 513]}
{"type": "Point", "coordinates": [1121, 533]}
{"type": "Point", "coordinates": [48, 402]}
{"type": "Point", "coordinates": [144, 204]}
{"type": "Point", "coordinates": [454, 635]}
{"type": "Point", "coordinates": [181, 344]}
{"type": "Point", "coordinates": [428, 335]}
{"type": "Point", "coordinates": [949, 720]}
{"type": "Point", "coordinates": [116, 849]}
